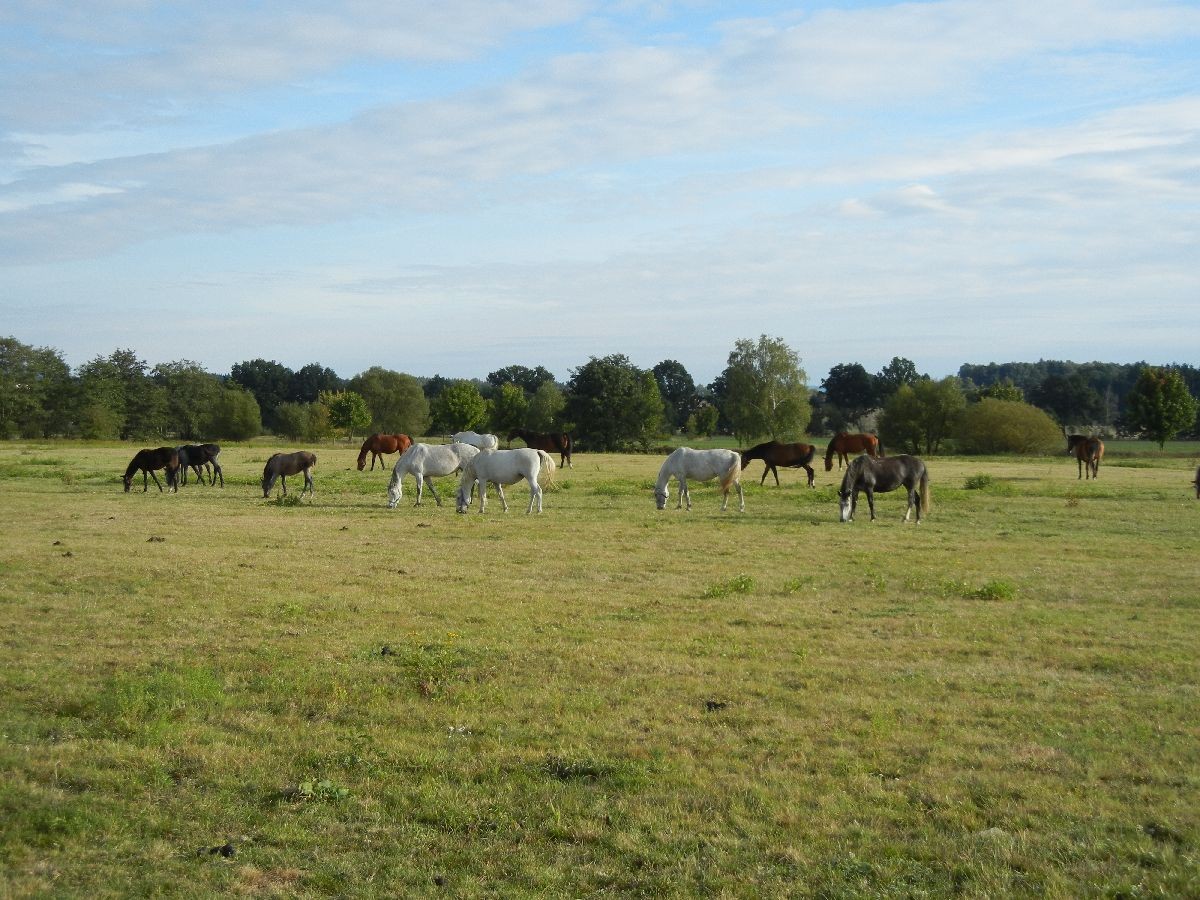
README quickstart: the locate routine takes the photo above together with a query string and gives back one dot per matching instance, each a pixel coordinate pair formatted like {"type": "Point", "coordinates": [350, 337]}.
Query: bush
{"type": "Point", "coordinates": [1007, 426]}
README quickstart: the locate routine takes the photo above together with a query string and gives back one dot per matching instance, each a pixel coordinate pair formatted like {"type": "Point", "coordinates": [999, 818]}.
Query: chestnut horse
{"type": "Point", "coordinates": [555, 442]}
{"type": "Point", "coordinates": [1088, 451]}
{"type": "Point", "coordinates": [283, 464]}
{"type": "Point", "coordinates": [790, 456]}
{"type": "Point", "coordinates": [146, 461]}
{"type": "Point", "coordinates": [379, 444]}
{"type": "Point", "coordinates": [844, 444]}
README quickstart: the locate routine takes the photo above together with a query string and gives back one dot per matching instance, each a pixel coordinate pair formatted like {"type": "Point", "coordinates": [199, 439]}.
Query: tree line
{"type": "Point", "coordinates": [608, 403]}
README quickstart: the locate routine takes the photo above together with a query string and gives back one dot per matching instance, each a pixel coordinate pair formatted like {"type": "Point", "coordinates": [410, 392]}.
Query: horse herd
{"type": "Point", "coordinates": [481, 462]}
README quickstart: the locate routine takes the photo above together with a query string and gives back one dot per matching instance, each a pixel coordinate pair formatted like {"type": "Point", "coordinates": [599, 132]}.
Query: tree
{"type": "Point", "coordinates": [678, 391]}
{"type": "Point", "coordinates": [270, 383]}
{"type": "Point", "coordinates": [893, 376]}
{"type": "Point", "coordinates": [1068, 398]}
{"type": "Point", "coordinates": [291, 420]}
{"type": "Point", "coordinates": [459, 407]}
{"type": "Point", "coordinates": [527, 379]}
{"type": "Point", "coordinates": [1007, 426]}
{"type": "Point", "coordinates": [765, 390]}
{"type": "Point", "coordinates": [234, 414]}
{"type": "Point", "coordinates": [396, 400]}
{"type": "Point", "coordinates": [613, 404]}
{"type": "Point", "coordinates": [850, 389]}
{"type": "Point", "coordinates": [35, 390]}
{"type": "Point", "coordinates": [508, 408]}
{"type": "Point", "coordinates": [191, 393]}
{"type": "Point", "coordinates": [1000, 390]}
{"type": "Point", "coordinates": [545, 407]}
{"type": "Point", "coordinates": [116, 391]}
{"type": "Point", "coordinates": [703, 422]}
{"type": "Point", "coordinates": [348, 411]}
{"type": "Point", "coordinates": [308, 382]}
{"type": "Point", "coordinates": [1160, 404]}
{"type": "Point", "coordinates": [920, 416]}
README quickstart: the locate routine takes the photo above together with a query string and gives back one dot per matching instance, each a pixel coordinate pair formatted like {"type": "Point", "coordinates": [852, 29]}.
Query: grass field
{"type": "Point", "coordinates": [210, 693]}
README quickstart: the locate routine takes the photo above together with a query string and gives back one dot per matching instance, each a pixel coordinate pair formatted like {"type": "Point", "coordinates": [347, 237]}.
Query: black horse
{"type": "Point", "coordinates": [555, 442]}
{"type": "Point", "coordinates": [196, 457]}
{"type": "Point", "coordinates": [867, 474]}
{"type": "Point", "coordinates": [283, 464]}
{"type": "Point", "coordinates": [147, 461]}
{"type": "Point", "coordinates": [790, 456]}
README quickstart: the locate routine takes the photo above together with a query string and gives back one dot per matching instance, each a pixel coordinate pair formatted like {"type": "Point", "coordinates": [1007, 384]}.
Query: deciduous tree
{"type": "Point", "coordinates": [765, 391]}
{"type": "Point", "coordinates": [1160, 404]}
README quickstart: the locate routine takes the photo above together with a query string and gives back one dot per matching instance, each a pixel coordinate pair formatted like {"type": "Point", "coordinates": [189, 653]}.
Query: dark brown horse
{"type": "Point", "coordinates": [196, 457]}
{"type": "Point", "coordinates": [1196, 482]}
{"type": "Point", "coordinates": [790, 456]}
{"type": "Point", "coordinates": [843, 444]}
{"type": "Point", "coordinates": [147, 461]}
{"type": "Point", "coordinates": [283, 464]}
{"type": "Point", "coordinates": [379, 444]}
{"type": "Point", "coordinates": [1088, 451]}
{"type": "Point", "coordinates": [554, 442]}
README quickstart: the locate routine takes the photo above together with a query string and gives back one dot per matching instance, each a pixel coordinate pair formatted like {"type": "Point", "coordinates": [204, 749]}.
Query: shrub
{"type": "Point", "coordinates": [1006, 426]}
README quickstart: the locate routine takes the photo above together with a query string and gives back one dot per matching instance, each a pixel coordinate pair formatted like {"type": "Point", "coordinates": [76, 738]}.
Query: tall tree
{"type": "Point", "coordinates": [270, 383]}
{"type": "Point", "coordinates": [851, 389]}
{"type": "Point", "coordinates": [893, 376]}
{"type": "Point", "coordinates": [348, 411]}
{"type": "Point", "coordinates": [35, 390]}
{"type": "Point", "coordinates": [191, 393]}
{"type": "Point", "coordinates": [458, 407]}
{"type": "Point", "coordinates": [508, 408]}
{"type": "Point", "coordinates": [545, 407]}
{"type": "Point", "coordinates": [920, 416]}
{"type": "Point", "coordinates": [678, 391]}
{"type": "Point", "coordinates": [765, 390]}
{"type": "Point", "coordinates": [396, 400]}
{"type": "Point", "coordinates": [233, 415]}
{"type": "Point", "coordinates": [527, 379]}
{"type": "Point", "coordinates": [308, 382]}
{"type": "Point", "coordinates": [1160, 404]}
{"type": "Point", "coordinates": [117, 395]}
{"type": "Point", "coordinates": [613, 404]}
{"type": "Point", "coordinates": [1069, 398]}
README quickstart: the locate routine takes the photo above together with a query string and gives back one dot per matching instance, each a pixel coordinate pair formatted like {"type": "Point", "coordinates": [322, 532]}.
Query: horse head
{"type": "Point", "coordinates": [661, 496]}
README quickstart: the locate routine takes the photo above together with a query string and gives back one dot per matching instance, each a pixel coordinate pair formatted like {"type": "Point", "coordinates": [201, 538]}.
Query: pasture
{"type": "Point", "coordinates": [209, 693]}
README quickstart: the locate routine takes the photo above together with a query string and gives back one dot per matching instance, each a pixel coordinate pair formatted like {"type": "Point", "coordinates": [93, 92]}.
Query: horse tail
{"type": "Point", "coordinates": [733, 473]}
{"type": "Point", "coordinates": [546, 461]}
{"type": "Point", "coordinates": [924, 489]}
{"type": "Point", "coordinates": [879, 448]}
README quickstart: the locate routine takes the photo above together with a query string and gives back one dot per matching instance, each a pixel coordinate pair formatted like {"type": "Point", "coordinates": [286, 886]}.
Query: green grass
{"type": "Point", "coordinates": [210, 693]}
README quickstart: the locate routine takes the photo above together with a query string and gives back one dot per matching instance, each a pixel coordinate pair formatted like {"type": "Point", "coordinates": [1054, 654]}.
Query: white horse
{"type": "Point", "coordinates": [482, 441]}
{"type": "Point", "coordinates": [702, 465]}
{"type": "Point", "coordinates": [501, 467]}
{"type": "Point", "coordinates": [423, 461]}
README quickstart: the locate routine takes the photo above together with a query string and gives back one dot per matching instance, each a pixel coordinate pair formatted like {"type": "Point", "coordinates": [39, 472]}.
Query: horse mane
{"type": "Point", "coordinates": [366, 447]}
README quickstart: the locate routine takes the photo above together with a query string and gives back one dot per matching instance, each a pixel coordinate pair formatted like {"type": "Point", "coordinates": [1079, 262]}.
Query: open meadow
{"type": "Point", "coordinates": [209, 693]}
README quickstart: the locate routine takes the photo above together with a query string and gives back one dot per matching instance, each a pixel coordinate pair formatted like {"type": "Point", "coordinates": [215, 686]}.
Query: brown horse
{"type": "Point", "coordinates": [283, 464]}
{"type": "Point", "coordinates": [554, 442]}
{"type": "Point", "coordinates": [790, 456]}
{"type": "Point", "coordinates": [1196, 482]}
{"type": "Point", "coordinates": [844, 444]}
{"type": "Point", "coordinates": [147, 461]}
{"type": "Point", "coordinates": [379, 444]}
{"type": "Point", "coordinates": [1088, 451]}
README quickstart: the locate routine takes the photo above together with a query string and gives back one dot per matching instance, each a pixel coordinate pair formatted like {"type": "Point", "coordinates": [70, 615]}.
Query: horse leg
{"type": "Point", "coordinates": [433, 490]}
{"type": "Point", "coordinates": [535, 493]}
{"type": "Point", "coordinates": [308, 484]}
{"type": "Point", "coordinates": [912, 501]}
{"type": "Point", "coordinates": [217, 473]}
{"type": "Point", "coordinates": [156, 481]}
{"type": "Point", "coordinates": [500, 491]}
{"type": "Point", "coordinates": [870, 492]}
{"type": "Point", "coordinates": [283, 483]}
{"type": "Point", "coordinates": [741, 496]}
{"type": "Point", "coordinates": [812, 476]}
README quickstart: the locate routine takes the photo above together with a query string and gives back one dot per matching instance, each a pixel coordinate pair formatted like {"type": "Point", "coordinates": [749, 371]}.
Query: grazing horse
{"type": "Point", "coordinates": [501, 467]}
{"type": "Point", "coordinates": [481, 441]}
{"type": "Point", "coordinates": [555, 442]}
{"type": "Point", "coordinates": [790, 456]}
{"type": "Point", "coordinates": [843, 444]}
{"type": "Point", "coordinates": [379, 444]}
{"type": "Point", "coordinates": [1088, 451]}
{"type": "Point", "coordinates": [1196, 482]}
{"type": "Point", "coordinates": [423, 461]}
{"type": "Point", "coordinates": [283, 464]}
{"type": "Point", "coordinates": [147, 461]}
{"type": "Point", "coordinates": [196, 457]}
{"type": "Point", "coordinates": [869, 475]}
{"type": "Point", "coordinates": [702, 465]}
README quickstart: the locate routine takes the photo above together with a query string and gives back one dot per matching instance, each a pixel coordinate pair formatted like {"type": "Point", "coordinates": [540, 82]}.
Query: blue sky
{"type": "Point", "coordinates": [451, 188]}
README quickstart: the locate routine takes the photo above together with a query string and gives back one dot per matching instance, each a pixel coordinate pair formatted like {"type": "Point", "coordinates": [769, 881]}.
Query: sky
{"type": "Point", "coordinates": [450, 188]}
